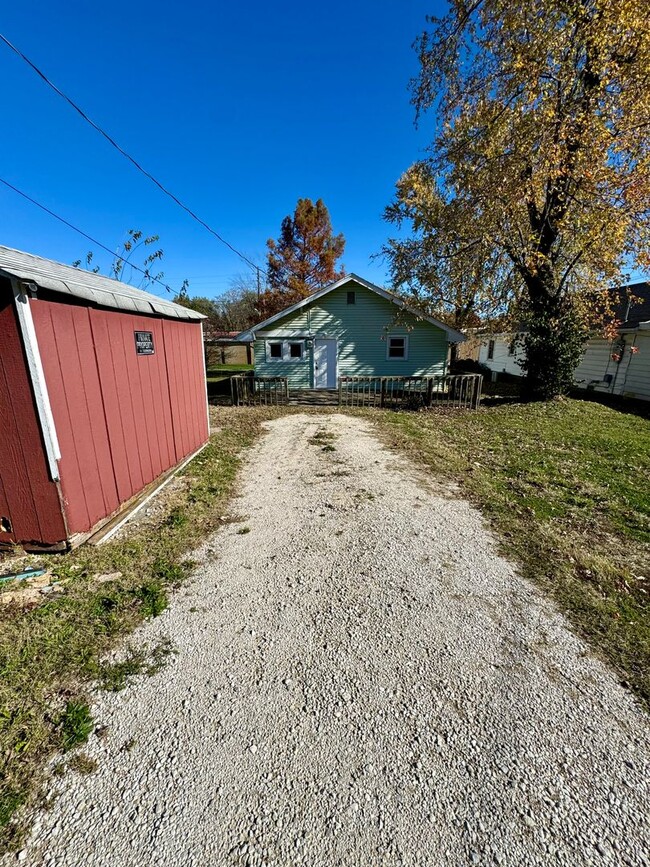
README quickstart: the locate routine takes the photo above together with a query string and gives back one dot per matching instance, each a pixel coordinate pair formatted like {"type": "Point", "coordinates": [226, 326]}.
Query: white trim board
{"type": "Point", "coordinates": [205, 377]}
{"type": "Point", "coordinates": [37, 376]}
{"type": "Point", "coordinates": [130, 514]}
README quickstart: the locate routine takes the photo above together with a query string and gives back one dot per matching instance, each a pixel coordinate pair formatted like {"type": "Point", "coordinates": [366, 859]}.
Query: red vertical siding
{"type": "Point", "coordinates": [28, 496]}
{"type": "Point", "coordinates": [68, 356]}
{"type": "Point", "coordinates": [184, 352]}
{"type": "Point", "coordinates": [122, 418]}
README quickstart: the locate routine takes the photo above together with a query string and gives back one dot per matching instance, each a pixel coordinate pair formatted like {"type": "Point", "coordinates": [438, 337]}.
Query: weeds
{"type": "Point", "coordinates": [80, 763]}
{"type": "Point", "coordinates": [75, 724]}
{"type": "Point", "coordinates": [152, 596]}
{"type": "Point", "coordinates": [177, 517]}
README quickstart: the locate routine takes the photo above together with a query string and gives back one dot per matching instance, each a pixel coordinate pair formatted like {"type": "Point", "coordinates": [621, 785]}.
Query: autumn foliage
{"type": "Point", "coordinates": [303, 259]}
{"type": "Point", "coordinates": [535, 196]}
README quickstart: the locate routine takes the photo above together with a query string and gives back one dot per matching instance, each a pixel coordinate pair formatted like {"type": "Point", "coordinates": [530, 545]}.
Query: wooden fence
{"type": "Point", "coordinates": [259, 390]}
{"type": "Point", "coordinates": [411, 392]}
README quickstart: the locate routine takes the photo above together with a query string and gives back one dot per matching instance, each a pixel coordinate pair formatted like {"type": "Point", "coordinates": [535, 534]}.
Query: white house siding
{"type": "Point", "coordinates": [637, 380]}
{"type": "Point", "coordinates": [503, 361]}
{"type": "Point", "coordinates": [597, 364]}
{"type": "Point", "coordinates": [630, 377]}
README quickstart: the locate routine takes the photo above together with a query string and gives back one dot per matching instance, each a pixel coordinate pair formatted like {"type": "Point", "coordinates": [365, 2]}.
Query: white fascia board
{"type": "Point", "coordinates": [37, 376]}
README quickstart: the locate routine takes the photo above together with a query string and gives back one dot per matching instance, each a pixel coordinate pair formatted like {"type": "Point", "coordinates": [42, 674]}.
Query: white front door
{"type": "Point", "coordinates": [324, 363]}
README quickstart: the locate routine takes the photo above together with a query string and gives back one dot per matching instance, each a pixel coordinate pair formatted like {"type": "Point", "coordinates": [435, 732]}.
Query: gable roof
{"type": "Point", "coordinates": [79, 283]}
{"type": "Point", "coordinates": [452, 335]}
{"type": "Point", "coordinates": [633, 315]}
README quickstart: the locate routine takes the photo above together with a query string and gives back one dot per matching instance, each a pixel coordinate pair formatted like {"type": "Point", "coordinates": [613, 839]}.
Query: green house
{"type": "Point", "coordinates": [350, 328]}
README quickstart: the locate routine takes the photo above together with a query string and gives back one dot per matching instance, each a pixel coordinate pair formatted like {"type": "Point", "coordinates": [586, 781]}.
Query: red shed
{"type": "Point", "coordinates": [102, 390]}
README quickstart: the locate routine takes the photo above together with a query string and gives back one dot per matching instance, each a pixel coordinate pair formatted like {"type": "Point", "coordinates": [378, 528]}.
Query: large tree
{"type": "Point", "coordinates": [304, 258]}
{"type": "Point", "coordinates": [541, 159]}
{"type": "Point", "coordinates": [441, 264]}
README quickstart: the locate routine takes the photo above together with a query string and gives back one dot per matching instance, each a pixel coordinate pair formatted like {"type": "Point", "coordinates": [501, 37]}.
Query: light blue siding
{"type": "Point", "coordinates": [362, 330]}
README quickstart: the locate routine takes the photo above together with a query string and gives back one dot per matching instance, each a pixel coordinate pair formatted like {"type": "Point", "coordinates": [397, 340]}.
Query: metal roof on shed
{"type": "Point", "coordinates": [99, 290]}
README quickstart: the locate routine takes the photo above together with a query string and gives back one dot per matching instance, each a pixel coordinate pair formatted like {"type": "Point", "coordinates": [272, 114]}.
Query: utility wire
{"type": "Point", "coordinates": [124, 153]}
{"type": "Point", "coordinates": [85, 235]}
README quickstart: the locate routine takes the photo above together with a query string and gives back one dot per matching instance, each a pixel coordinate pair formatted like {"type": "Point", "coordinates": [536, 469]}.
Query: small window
{"type": "Point", "coordinates": [490, 350]}
{"type": "Point", "coordinates": [352, 297]}
{"type": "Point", "coordinates": [295, 350]}
{"type": "Point", "coordinates": [275, 350]}
{"type": "Point", "coordinates": [397, 347]}
{"type": "Point", "coordinates": [511, 347]}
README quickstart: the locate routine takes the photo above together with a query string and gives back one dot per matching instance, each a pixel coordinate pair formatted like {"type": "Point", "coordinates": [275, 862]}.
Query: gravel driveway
{"type": "Point", "coordinates": [360, 680]}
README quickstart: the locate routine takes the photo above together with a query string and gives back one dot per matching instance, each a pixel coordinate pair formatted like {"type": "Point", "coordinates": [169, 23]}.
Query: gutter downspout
{"type": "Point", "coordinates": [37, 376]}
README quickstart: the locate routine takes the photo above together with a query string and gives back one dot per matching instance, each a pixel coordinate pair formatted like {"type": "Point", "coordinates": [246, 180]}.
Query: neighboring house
{"type": "Point", "coordinates": [620, 366]}
{"type": "Point", "coordinates": [350, 328]}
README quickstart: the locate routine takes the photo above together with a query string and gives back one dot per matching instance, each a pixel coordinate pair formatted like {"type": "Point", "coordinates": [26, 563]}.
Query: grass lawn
{"type": "Point", "coordinates": [566, 486]}
{"type": "Point", "coordinates": [219, 369]}
{"type": "Point", "coordinates": [52, 655]}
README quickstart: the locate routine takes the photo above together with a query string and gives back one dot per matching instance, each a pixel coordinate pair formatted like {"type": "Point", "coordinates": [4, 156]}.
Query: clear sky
{"type": "Point", "coordinates": [239, 108]}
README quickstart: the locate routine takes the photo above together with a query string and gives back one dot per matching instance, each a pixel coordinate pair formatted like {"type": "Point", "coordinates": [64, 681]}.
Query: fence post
{"type": "Point", "coordinates": [429, 392]}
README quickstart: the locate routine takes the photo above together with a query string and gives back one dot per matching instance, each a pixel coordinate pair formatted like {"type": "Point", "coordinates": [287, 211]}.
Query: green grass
{"type": "Point", "coordinates": [216, 369]}
{"type": "Point", "coordinates": [52, 655]}
{"type": "Point", "coordinates": [76, 724]}
{"type": "Point", "coordinates": [566, 485]}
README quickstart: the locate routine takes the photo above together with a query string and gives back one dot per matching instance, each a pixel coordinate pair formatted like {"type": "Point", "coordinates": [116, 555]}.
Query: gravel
{"type": "Point", "coordinates": [359, 680]}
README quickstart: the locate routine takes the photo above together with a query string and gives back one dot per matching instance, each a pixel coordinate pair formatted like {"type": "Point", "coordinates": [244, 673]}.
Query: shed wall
{"type": "Point", "coordinates": [28, 496]}
{"type": "Point", "coordinates": [122, 419]}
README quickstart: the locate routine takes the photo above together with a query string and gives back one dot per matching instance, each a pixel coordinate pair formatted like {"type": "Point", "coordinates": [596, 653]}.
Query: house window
{"type": "Point", "coordinates": [511, 347]}
{"type": "Point", "coordinates": [352, 297]}
{"type": "Point", "coordinates": [295, 350]}
{"type": "Point", "coordinates": [275, 350]}
{"type": "Point", "coordinates": [490, 350]}
{"type": "Point", "coordinates": [397, 348]}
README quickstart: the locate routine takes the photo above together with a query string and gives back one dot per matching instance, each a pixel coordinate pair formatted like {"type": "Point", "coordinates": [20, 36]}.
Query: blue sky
{"type": "Point", "coordinates": [240, 108]}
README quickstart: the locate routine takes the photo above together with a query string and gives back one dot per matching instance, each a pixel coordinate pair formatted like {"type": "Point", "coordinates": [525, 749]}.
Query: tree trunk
{"type": "Point", "coordinates": [553, 339]}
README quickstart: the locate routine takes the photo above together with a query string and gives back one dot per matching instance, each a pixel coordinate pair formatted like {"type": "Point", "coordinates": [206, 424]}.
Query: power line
{"type": "Point", "coordinates": [85, 235]}
{"type": "Point", "coordinates": [124, 153]}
